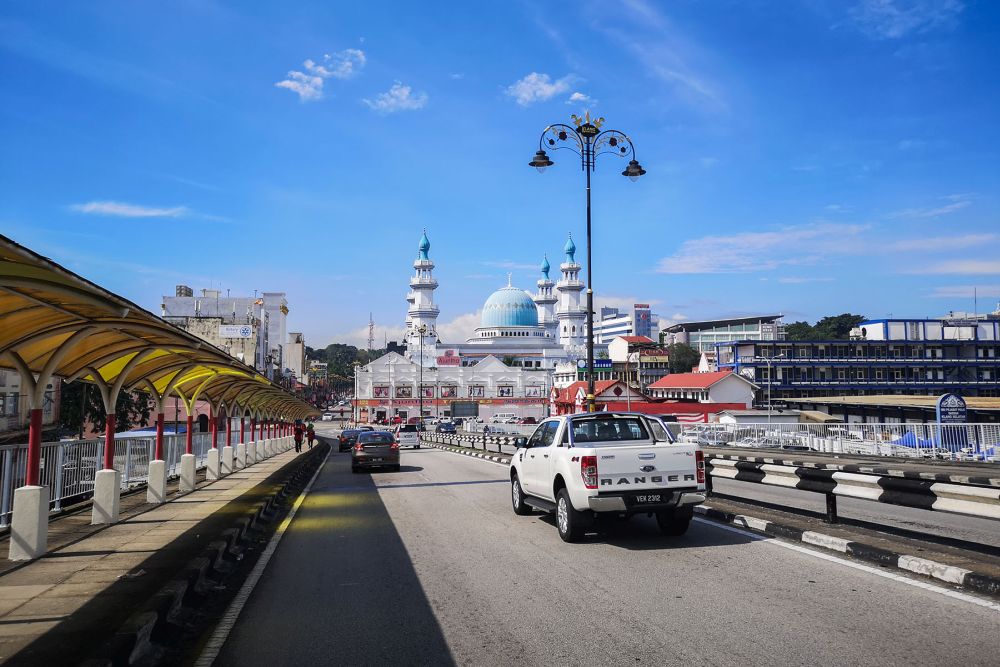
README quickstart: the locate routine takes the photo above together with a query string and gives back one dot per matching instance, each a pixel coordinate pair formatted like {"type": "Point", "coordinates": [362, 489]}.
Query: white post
{"type": "Point", "coordinates": [226, 463]}
{"type": "Point", "coordinates": [189, 465]}
{"type": "Point", "coordinates": [107, 497]}
{"type": "Point", "coordinates": [241, 456]}
{"type": "Point", "coordinates": [156, 486]}
{"type": "Point", "coordinates": [212, 464]}
{"type": "Point", "coordinates": [29, 526]}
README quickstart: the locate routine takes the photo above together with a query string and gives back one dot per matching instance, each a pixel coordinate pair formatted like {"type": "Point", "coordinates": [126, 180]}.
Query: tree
{"type": "Point", "coordinates": [82, 402]}
{"type": "Point", "coordinates": [682, 357]}
{"type": "Point", "coordinates": [800, 331]}
{"type": "Point", "coordinates": [837, 327]}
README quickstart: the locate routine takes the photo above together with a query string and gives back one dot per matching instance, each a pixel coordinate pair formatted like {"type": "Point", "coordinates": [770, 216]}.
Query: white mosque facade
{"type": "Point", "coordinates": [506, 366]}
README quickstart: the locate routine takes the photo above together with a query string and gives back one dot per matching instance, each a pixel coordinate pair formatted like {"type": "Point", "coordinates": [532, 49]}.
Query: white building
{"type": "Point", "coordinates": [637, 321]}
{"type": "Point", "coordinates": [505, 366]}
{"type": "Point", "coordinates": [718, 387]}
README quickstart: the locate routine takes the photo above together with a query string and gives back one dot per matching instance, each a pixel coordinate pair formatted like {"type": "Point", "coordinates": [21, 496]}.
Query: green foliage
{"type": "Point", "coordinates": [800, 331]}
{"type": "Point", "coordinates": [340, 358]}
{"type": "Point", "coordinates": [831, 327]}
{"type": "Point", "coordinates": [683, 357]}
{"type": "Point", "coordinates": [82, 401]}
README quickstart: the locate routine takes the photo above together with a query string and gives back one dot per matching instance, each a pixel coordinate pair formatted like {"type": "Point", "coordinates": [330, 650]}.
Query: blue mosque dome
{"type": "Point", "coordinates": [424, 247]}
{"type": "Point", "coordinates": [570, 250]}
{"type": "Point", "coordinates": [545, 266]}
{"type": "Point", "coordinates": [510, 307]}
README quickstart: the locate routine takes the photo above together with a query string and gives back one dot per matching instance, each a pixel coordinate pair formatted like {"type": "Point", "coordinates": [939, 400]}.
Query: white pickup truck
{"type": "Point", "coordinates": [582, 465]}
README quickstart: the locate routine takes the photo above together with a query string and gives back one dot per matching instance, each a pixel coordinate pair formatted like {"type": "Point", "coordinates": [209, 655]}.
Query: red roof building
{"type": "Point", "coordinates": [718, 387]}
{"type": "Point", "coordinates": [573, 398]}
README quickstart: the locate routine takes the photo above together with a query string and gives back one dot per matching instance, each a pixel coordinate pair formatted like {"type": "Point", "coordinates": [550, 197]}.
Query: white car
{"type": "Point", "coordinates": [582, 465]}
{"type": "Point", "coordinates": [327, 417]}
{"type": "Point", "coordinates": [408, 435]}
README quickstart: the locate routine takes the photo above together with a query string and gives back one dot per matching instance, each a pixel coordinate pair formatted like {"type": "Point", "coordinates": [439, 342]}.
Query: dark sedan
{"type": "Point", "coordinates": [350, 436]}
{"type": "Point", "coordinates": [377, 449]}
{"type": "Point", "coordinates": [445, 427]}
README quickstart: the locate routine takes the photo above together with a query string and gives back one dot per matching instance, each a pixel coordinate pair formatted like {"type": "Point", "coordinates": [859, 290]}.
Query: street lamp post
{"type": "Point", "coordinates": [588, 141]}
{"type": "Point", "coordinates": [422, 329]}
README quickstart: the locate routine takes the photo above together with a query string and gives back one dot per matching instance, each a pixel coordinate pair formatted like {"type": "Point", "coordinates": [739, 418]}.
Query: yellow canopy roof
{"type": "Point", "coordinates": [56, 323]}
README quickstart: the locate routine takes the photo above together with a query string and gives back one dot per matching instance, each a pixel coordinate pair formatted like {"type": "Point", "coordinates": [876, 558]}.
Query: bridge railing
{"type": "Point", "coordinates": [960, 442]}
{"type": "Point", "coordinates": [68, 467]}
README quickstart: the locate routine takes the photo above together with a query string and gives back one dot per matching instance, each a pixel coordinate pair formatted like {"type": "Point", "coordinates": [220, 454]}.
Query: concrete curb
{"type": "Point", "coordinates": [978, 582]}
{"type": "Point", "coordinates": [134, 641]}
{"type": "Point", "coordinates": [958, 576]}
{"type": "Point", "coordinates": [476, 455]}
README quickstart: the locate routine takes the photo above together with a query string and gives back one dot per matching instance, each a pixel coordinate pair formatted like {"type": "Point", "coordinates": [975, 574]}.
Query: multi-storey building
{"type": "Point", "coordinates": [251, 328]}
{"type": "Point", "coordinates": [888, 357]}
{"type": "Point", "coordinates": [706, 334]}
{"type": "Point", "coordinates": [637, 321]}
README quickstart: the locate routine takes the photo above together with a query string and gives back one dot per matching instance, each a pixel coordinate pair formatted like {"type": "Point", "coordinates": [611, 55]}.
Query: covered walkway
{"type": "Point", "coordinates": [55, 323]}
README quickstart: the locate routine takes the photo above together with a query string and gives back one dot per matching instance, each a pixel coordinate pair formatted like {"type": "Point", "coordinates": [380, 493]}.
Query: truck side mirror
{"type": "Point", "coordinates": [520, 442]}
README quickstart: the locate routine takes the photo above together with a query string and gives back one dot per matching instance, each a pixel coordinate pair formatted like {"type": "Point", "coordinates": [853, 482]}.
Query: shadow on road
{"type": "Point", "coordinates": [341, 588]}
{"type": "Point", "coordinates": [641, 533]}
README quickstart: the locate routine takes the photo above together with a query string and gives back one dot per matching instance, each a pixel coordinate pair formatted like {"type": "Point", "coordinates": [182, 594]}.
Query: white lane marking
{"type": "Point", "coordinates": [221, 634]}
{"type": "Point", "coordinates": [857, 566]}
{"type": "Point", "coordinates": [502, 465]}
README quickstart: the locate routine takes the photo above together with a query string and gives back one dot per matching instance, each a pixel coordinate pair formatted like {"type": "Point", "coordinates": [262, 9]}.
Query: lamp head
{"type": "Point", "coordinates": [634, 170]}
{"type": "Point", "coordinates": [541, 161]}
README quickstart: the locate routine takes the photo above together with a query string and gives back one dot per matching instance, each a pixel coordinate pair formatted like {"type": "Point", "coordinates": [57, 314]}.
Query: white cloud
{"type": "Point", "coordinates": [892, 19]}
{"type": "Point", "coordinates": [123, 210]}
{"type": "Point", "coordinates": [456, 330]}
{"type": "Point", "coordinates": [397, 98]}
{"type": "Point", "coordinates": [308, 85]}
{"type": "Point", "coordinates": [456, 76]}
{"type": "Point", "coordinates": [969, 266]}
{"type": "Point", "coordinates": [708, 162]}
{"type": "Point", "coordinates": [936, 243]}
{"type": "Point", "coordinates": [580, 98]}
{"type": "Point", "coordinates": [762, 251]}
{"type": "Point", "coordinates": [966, 291]}
{"type": "Point", "coordinates": [958, 202]}
{"type": "Point", "coordinates": [537, 87]}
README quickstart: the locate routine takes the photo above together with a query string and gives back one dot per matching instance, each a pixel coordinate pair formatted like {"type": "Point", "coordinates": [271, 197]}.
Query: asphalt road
{"type": "Point", "coordinates": [431, 566]}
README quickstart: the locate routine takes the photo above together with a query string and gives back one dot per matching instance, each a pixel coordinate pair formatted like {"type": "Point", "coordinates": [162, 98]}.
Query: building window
{"type": "Point", "coordinates": [477, 391]}
{"type": "Point", "coordinates": [879, 374]}
{"type": "Point", "coordinates": [505, 391]}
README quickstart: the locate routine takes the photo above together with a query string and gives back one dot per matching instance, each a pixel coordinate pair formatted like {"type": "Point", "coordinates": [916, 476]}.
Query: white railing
{"type": "Point", "coordinates": [68, 467]}
{"type": "Point", "coordinates": [965, 442]}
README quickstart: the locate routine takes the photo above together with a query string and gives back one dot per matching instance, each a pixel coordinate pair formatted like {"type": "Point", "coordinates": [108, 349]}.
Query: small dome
{"type": "Point", "coordinates": [545, 266]}
{"type": "Point", "coordinates": [510, 307]}
{"type": "Point", "coordinates": [570, 250]}
{"type": "Point", "coordinates": [425, 245]}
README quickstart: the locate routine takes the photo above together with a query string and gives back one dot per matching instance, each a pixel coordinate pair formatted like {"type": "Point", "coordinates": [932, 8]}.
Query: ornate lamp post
{"type": "Point", "coordinates": [588, 141]}
{"type": "Point", "coordinates": [422, 330]}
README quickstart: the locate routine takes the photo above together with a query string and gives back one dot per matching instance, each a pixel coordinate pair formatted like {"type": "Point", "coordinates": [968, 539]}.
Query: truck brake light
{"type": "Point", "coordinates": [359, 447]}
{"type": "Point", "coordinates": [588, 471]}
{"type": "Point", "coordinates": [699, 459]}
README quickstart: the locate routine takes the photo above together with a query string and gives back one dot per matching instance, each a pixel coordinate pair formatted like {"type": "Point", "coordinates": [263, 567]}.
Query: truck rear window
{"type": "Point", "coordinates": [610, 429]}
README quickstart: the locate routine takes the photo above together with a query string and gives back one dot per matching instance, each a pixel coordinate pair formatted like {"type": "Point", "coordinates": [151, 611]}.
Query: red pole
{"type": "Point", "coordinates": [213, 427]}
{"type": "Point", "coordinates": [109, 443]}
{"type": "Point", "coordinates": [189, 436]}
{"type": "Point", "coordinates": [34, 447]}
{"type": "Point", "coordinates": [262, 422]}
{"type": "Point", "coordinates": [253, 429]}
{"type": "Point", "coordinates": [243, 428]}
{"type": "Point", "coordinates": [159, 437]}
{"type": "Point", "coordinates": [229, 430]}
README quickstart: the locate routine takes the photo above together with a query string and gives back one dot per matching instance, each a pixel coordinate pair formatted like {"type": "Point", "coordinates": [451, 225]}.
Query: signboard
{"type": "Point", "coordinates": [644, 306]}
{"type": "Point", "coordinates": [235, 331]}
{"type": "Point", "coordinates": [464, 409]}
{"type": "Point", "coordinates": [380, 392]}
{"type": "Point", "coordinates": [449, 392]}
{"type": "Point", "coordinates": [952, 415]}
{"type": "Point", "coordinates": [599, 364]}
{"type": "Point", "coordinates": [449, 358]}
{"type": "Point", "coordinates": [654, 358]}
{"type": "Point", "coordinates": [505, 391]}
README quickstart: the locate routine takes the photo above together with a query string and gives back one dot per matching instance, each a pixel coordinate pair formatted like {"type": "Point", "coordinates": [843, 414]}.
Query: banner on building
{"type": "Point", "coordinates": [235, 331]}
{"type": "Point", "coordinates": [449, 358]}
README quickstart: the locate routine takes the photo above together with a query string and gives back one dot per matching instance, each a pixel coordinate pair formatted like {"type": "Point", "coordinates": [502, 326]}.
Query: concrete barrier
{"type": "Point", "coordinates": [212, 464]}
{"type": "Point", "coordinates": [29, 526]}
{"type": "Point", "coordinates": [107, 497]}
{"type": "Point", "coordinates": [226, 462]}
{"type": "Point", "coordinates": [156, 485]}
{"type": "Point", "coordinates": [189, 480]}
{"type": "Point", "coordinates": [241, 457]}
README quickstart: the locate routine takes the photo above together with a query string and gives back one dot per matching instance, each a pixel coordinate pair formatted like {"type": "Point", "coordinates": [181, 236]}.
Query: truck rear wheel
{"type": "Point", "coordinates": [673, 522]}
{"type": "Point", "coordinates": [570, 522]}
{"type": "Point", "coordinates": [521, 508]}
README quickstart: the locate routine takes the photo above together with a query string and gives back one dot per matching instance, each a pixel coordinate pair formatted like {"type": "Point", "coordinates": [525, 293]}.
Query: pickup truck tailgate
{"type": "Point", "coordinates": [646, 467]}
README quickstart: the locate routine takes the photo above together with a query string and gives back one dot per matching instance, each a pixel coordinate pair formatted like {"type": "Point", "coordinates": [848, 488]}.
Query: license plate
{"type": "Point", "coordinates": [649, 498]}
{"type": "Point", "coordinates": [375, 460]}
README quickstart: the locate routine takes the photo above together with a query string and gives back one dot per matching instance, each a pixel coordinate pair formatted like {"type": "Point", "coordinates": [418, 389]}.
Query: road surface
{"type": "Point", "coordinates": [431, 566]}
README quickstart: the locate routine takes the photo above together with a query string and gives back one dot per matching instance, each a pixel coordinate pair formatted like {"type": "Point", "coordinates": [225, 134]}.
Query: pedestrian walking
{"type": "Point", "coordinates": [310, 433]}
{"type": "Point", "coordinates": [298, 437]}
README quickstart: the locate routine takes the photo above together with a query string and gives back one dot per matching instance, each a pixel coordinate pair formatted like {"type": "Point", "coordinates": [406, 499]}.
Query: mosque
{"type": "Point", "coordinates": [506, 366]}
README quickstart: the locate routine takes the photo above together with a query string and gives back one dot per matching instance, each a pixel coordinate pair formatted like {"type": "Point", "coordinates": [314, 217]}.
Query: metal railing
{"type": "Point", "coordinates": [959, 442]}
{"type": "Point", "coordinates": [69, 467]}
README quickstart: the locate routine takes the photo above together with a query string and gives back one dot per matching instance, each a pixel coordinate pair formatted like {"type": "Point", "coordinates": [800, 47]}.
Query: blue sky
{"type": "Point", "coordinates": [808, 157]}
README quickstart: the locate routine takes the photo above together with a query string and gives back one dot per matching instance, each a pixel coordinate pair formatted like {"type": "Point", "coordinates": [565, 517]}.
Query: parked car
{"type": "Point", "coordinates": [527, 420]}
{"type": "Point", "coordinates": [327, 417]}
{"type": "Point", "coordinates": [503, 418]}
{"type": "Point", "coordinates": [349, 437]}
{"type": "Point", "coordinates": [446, 427]}
{"type": "Point", "coordinates": [583, 465]}
{"type": "Point", "coordinates": [375, 449]}
{"type": "Point", "coordinates": [396, 420]}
